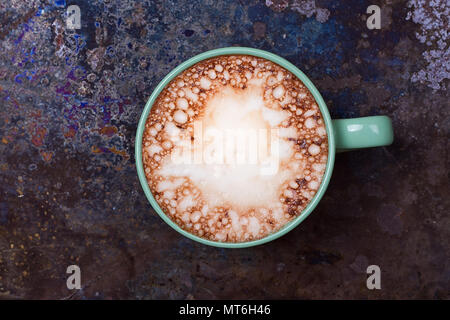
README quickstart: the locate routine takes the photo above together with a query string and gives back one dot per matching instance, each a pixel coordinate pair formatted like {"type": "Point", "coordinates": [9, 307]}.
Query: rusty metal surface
{"type": "Point", "coordinates": [70, 101]}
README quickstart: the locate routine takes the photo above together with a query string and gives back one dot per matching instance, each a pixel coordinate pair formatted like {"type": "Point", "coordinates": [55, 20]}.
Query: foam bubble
{"type": "Point", "coordinates": [278, 92]}
{"type": "Point", "coordinates": [171, 129]}
{"type": "Point", "coordinates": [180, 117]}
{"type": "Point", "coordinates": [182, 103]}
{"type": "Point", "coordinates": [167, 144]}
{"type": "Point", "coordinates": [310, 123]}
{"type": "Point", "coordinates": [205, 83]}
{"type": "Point", "coordinates": [212, 74]}
{"type": "Point", "coordinates": [314, 149]}
{"type": "Point", "coordinates": [153, 149]}
{"type": "Point", "coordinates": [313, 185]}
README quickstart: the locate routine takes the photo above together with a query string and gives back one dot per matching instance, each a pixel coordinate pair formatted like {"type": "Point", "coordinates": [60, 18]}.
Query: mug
{"type": "Point", "coordinates": [343, 135]}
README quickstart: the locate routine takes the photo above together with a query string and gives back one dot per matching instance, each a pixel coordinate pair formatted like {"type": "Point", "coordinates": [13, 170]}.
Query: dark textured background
{"type": "Point", "coordinates": [69, 194]}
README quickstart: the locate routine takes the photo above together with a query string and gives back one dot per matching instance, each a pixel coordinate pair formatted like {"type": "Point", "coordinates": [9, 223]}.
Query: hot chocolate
{"type": "Point", "coordinates": [234, 148]}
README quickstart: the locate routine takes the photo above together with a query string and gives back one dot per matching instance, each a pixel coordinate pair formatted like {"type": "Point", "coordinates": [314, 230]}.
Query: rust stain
{"type": "Point", "coordinates": [36, 114]}
{"type": "Point", "coordinates": [71, 133]}
{"type": "Point", "coordinates": [122, 153]}
{"type": "Point", "coordinates": [59, 40]}
{"type": "Point", "coordinates": [46, 155]}
{"type": "Point", "coordinates": [38, 137]}
{"type": "Point", "coordinates": [96, 150]}
{"type": "Point", "coordinates": [108, 131]}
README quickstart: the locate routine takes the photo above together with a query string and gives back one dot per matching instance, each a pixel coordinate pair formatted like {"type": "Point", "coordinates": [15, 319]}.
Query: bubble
{"type": "Point", "coordinates": [180, 117]}
{"type": "Point", "coordinates": [293, 185]}
{"type": "Point", "coordinates": [310, 123]}
{"type": "Point", "coordinates": [314, 149]}
{"type": "Point", "coordinates": [182, 103]}
{"type": "Point", "coordinates": [196, 216]}
{"type": "Point", "coordinates": [313, 185]}
{"type": "Point", "coordinates": [278, 92]}
{"type": "Point", "coordinates": [212, 74]}
{"type": "Point", "coordinates": [205, 83]}
{"type": "Point", "coordinates": [288, 193]}
{"type": "Point", "coordinates": [167, 144]}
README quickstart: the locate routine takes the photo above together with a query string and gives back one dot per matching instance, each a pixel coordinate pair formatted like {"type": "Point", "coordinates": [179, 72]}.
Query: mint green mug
{"type": "Point", "coordinates": [343, 135]}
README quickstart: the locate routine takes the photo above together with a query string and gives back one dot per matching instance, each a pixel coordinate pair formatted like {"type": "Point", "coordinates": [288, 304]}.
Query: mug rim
{"type": "Point", "coordinates": [237, 51]}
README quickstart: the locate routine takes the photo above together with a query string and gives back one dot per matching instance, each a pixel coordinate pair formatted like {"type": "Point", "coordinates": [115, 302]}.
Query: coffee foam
{"type": "Point", "coordinates": [235, 193]}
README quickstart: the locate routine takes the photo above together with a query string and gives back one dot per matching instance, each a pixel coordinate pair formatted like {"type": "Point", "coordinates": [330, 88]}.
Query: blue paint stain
{"type": "Point", "coordinates": [17, 78]}
{"type": "Point", "coordinates": [83, 104]}
{"type": "Point", "coordinates": [110, 51]}
{"type": "Point", "coordinates": [25, 74]}
{"type": "Point", "coordinates": [79, 42]}
{"type": "Point", "coordinates": [71, 74]}
{"type": "Point", "coordinates": [106, 114]}
{"type": "Point", "coordinates": [60, 3]}
{"type": "Point", "coordinates": [19, 39]}
{"type": "Point", "coordinates": [68, 61]}
{"type": "Point", "coordinates": [40, 12]}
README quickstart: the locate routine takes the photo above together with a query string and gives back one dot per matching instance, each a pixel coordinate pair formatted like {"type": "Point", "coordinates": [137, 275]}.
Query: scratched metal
{"type": "Point", "coordinates": [70, 101]}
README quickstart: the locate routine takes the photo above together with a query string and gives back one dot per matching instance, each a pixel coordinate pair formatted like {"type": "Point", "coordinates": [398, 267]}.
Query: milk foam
{"type": "Point", "coordinates": [234, 148]}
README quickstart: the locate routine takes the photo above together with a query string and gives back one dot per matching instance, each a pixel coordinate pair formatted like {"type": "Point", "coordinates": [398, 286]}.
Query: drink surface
{"type": "Point", "coordinates": [234, 148]}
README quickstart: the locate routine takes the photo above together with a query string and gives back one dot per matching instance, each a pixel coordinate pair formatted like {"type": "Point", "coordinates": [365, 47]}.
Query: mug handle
{"type": "Point", "coordinates": [366, 132]}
